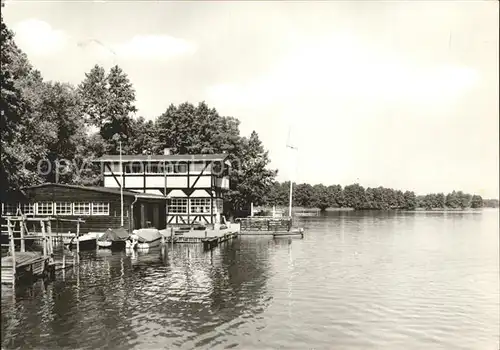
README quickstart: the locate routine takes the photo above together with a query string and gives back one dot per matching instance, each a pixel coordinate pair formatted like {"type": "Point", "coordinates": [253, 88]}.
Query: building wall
{"type": "Point", "coordinates": [160, 182]}
{"type": "Point", "coordinates": [64, 201]}
{"type": "Point", "coordinates": [96, 219]}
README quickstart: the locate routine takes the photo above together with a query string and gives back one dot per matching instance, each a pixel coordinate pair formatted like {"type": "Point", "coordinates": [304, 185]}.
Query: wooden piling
{"type": "Point", "coordinates": [44, 239]}
{"type": "Point", "coordinates": [49, 241]}
{"type": "Point", "coordinates": [21, 233]}
{"type": "Point", "coordinates": [12, 251]}
{"type": "Point", "coordinates": [78, 240]}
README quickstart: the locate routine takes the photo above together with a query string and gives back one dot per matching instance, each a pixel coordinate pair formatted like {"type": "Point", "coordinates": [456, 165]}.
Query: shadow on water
{"type": "Point", "coordinates": [172, 296]}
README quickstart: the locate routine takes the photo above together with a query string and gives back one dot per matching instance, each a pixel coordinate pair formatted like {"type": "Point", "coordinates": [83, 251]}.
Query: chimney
{"type": "Point", "coordinates": [166, 151]}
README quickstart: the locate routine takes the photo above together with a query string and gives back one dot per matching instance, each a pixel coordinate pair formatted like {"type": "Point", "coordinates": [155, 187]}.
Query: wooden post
{"type": "Point", "coordinates": [50, 243]}
{"type": "Point", "coordinates": [12, 250]}
{"type": "Point", "coordinates": [156, 216]}
{"type": "Point", "coordinates": [44, 239]}
{"type": "Point", "coordinates": [172, 235]}
{"type": "Point", "coordinates": [64, 261]}
{"type": "Point", "coordinates": [143, 215]}
{"type": "Point", "coordinates": [21, 233]}
{"type": "Point", "coordinates": [78, 240]}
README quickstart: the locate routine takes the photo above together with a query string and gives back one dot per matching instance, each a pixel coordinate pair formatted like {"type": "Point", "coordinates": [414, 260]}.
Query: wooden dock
{"type": "Point", "coordinates": [292, 233]}
{"type": "Point", "coordinates": [29, 265]}
{"type": "Point", "coordinates": [210, 238]}
{"type": "Point", "coordinates": [269, 226]}
{"type": "Point", "coordinates": [25, 266]}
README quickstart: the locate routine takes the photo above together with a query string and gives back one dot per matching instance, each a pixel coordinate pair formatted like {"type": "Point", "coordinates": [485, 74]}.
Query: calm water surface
{"type": "Point", "coordinates": [356, 281]}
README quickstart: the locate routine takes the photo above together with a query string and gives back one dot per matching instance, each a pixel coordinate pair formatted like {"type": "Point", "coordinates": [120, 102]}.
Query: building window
{"type": "Point", "coordinates": [115, 167]}
{"type": "Point", "coordinates": [45, 208]}
{"type": "Point", "coordinates": [154, 168]}
{"type": "Point", "coordinates": [28, 209]}
{"type": "Point", "coordinates": [9, 209]}
{"type": "Point", "coordinates": [200, 205]}
{"type": "Point", "coordinates": [100, 208]}
{"type": "Point", "coordinates": [63, 208]}
{"type": "Point", "coordinates": [197, 167]}
{"type": "Point", "coordinates": [178, 206]}
{"type": "Point", "coordinates": [134, 168]}
{"type": "Point", "coordinates": [168, 168]}
{"type": "Point", "coordinates": [81, 208]}
{"type": "Point", "coordinates": [180, 168]}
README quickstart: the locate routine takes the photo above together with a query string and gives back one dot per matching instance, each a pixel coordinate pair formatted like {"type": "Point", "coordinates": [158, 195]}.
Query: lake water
{"type": "Point", "coordinates": [356, 281]}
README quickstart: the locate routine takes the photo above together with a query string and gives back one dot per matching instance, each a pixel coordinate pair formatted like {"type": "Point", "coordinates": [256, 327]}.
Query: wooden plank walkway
{"type": "Point", "coordinates": [22, 259]}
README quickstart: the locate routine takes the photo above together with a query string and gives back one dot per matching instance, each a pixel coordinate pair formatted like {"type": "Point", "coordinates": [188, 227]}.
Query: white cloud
{"type": "Point", "coordinates": [154, 47]}
{"type": "Point", "coordinates": [37, 37]}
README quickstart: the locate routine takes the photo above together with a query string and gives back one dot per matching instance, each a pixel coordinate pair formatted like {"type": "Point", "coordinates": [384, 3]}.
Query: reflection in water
{"type": "Point", "coordinates": [357, 280]}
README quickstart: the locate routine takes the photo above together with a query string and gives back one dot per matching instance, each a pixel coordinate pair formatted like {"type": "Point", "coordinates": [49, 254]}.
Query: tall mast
{"type": "Point", "coordinates": [289, 145]}
{"type": "Point", "coordinates": [121, 186]}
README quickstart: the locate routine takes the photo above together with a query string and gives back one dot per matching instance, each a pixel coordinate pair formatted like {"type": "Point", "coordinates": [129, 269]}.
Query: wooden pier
{"type": "Point", "coordinates": [29, 265]}
{"type": "Point", "coordinates": [308, 212]}
{"type": "Point", "coordinates": [209, 238]}
{"type": "Point", "coordinates": [269, 226]}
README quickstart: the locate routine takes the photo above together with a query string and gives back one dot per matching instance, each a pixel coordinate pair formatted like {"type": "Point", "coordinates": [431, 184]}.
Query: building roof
{"type": "Point", "coordinates": [99, 189]}
{"type": "Point", "coordinates": [169, 157]}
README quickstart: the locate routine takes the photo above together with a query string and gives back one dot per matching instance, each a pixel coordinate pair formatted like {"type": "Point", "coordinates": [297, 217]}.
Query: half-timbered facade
{"type": "Point", "coordinates": [192, 184]}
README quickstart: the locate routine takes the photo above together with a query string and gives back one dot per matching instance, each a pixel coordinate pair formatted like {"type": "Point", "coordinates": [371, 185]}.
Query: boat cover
{"type": "Point", "coordinates": [115, 235]}
{"type": "Point", "coordinates": [145, 235]}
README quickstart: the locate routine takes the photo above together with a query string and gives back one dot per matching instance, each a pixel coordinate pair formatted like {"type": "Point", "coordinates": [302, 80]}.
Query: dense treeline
{"type": "Point", "coordinates": [357, 197]}
{"type": "Point", "coordinates": [44, 123]}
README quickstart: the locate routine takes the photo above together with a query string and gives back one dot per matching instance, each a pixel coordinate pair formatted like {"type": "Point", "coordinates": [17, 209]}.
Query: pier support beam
{"type": "Point", "coordinates": [143, 216]}
{"type": "Point", "coordinates": [156, 216]}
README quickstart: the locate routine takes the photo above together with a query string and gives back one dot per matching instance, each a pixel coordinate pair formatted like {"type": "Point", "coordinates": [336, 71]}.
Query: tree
{"type": "Point", "coordinates": [335, 191]}
{"type": "Point", "coordinates": [108, 103]}
{"type": "Point", "coordinates": [410, 200]}
{"type": "Point", "coordinates": [322, 198]}
{"type": "Point", "coordinates": [251, 180]}
{"type": "Point", "coordinates": [303, 195]}
{"type": "Point", "coordinates": [143, 137]}
{"type": "Point", "coordinates": [279, 194]}
{"type": "Point", "coordinates": [464, 199]}
{"type": "Point", "coordinates": [490, 203]}
{"type": "Point", "coordinates": [94, 96]}
{"type": "Point", "coordinates": [60, 106]}
{"type": "Point", "coordinates": [25, 131]}
{"type": "Point", "coordinates": [400, 199]}
{"type": "Point", "coordinates": [380, 199]}
{"type": "Point", "coordinates": [189, 129]}
{"type": "Point", "coordinates": [370, 201]}
{"type": "Point", "coordinates": [452, 200]}
{"type": "Point", "coordinates": [354, 196]}
{"type": "Point", "coordinates": [440, 200]}
{"type": "Point", "coordinates": [476, 201]}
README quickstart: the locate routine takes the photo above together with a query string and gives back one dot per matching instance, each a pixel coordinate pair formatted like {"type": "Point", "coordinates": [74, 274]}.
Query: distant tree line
{"type": "Point", "coordinates": [379, 198]}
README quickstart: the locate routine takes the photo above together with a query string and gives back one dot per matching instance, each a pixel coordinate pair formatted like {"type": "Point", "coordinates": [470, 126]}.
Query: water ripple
{"type": "Point", "coordinates": [356, 281]}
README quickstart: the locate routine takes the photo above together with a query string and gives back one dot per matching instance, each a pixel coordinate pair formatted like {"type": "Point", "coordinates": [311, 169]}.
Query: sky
{"type": "Point", "coordinates": [401, 94]}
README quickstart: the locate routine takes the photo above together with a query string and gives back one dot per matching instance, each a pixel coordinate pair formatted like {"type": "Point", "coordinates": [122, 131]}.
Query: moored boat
{"type": "Point", "coordinates": [113, 239]}
{"type": "Point", "coordinates": [144, 239]}
{"type": "Point", "coordinates": [86, 241]}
